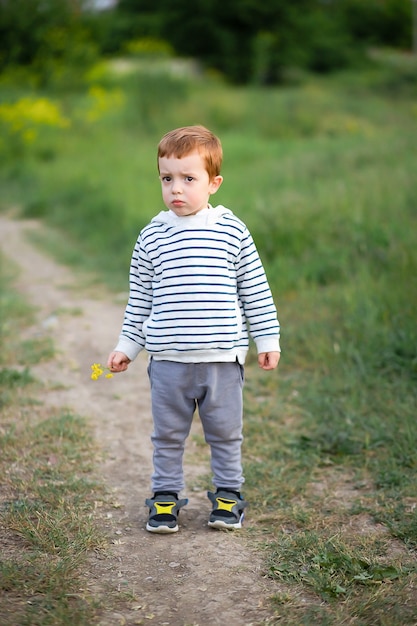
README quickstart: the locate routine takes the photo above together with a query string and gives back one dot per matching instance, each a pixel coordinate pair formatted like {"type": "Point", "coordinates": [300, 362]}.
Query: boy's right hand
{"type": "Point", "coordinates": [118, 362]}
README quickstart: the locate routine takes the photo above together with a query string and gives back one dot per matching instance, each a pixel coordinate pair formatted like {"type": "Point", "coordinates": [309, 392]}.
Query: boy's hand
{"type": "Point", "coordinates": [268, 360]}
{"type": "Point", "coordinates": [118, 362]}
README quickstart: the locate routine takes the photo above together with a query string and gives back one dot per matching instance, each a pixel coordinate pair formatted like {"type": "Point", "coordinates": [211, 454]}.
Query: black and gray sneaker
{"type": "Point", "coordinates": [163, 512]}
{"type": "Point", "coordinates": [228, 509]}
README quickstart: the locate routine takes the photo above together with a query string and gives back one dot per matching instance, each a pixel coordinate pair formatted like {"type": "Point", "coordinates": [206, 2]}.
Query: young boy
{"type": "Point", "coordinates": [196, 281]}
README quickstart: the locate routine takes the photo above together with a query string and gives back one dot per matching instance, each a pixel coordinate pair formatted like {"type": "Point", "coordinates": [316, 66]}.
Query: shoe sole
{"type": "Point", "coordinates": [221, 525]}
{"type": "Point", "coordinates": [163, 530]}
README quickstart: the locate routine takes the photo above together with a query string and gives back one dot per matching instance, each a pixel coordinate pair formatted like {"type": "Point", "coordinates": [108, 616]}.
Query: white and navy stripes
{"type": "Point", "coordinates": [195, 284]}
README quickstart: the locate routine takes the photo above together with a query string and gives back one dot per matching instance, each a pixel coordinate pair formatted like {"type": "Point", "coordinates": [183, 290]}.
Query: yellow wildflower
{"type": "Point", "coordinates": [33, 111]}
{"type": "Point", "coordinates": [24, 121]}
{"type": "Point", "coordinates": [97, 370]}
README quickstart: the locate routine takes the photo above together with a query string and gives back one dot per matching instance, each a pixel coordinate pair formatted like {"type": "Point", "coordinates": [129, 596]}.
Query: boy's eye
{"type": "Point", "coordinates": [166, 179]}
{"type": "Point", "coordinates": [189, 179]}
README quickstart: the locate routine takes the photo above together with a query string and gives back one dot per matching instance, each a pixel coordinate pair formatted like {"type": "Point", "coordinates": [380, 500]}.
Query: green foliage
{"type": "Point", "coordinates": [330, 567]}
{"type": "Point", "coordinates": [47, 36]}
{"type": "Point", "coordinates": [52, 517]}
{"type": "Point", "coordinates": [261, 42]}
{"type": "Point", "coordinates": [246, 41]}
{"type": "Point", "coordinates": [152, 94]}
{"type": "Point", "coordinates": [148, 47]}
{"type": "Point", "coordinates": [24, 25]}
{"type": "Point", "coordinates": [24, 121]}
{"type": "Point", "coordinates": [10, 380]}
{"type": "Point", "coordinates": [386, 22]}
{"type": "Point", "coordinates": [47, 493]}
{"type": "Point", "coordinates": [323, 173]}
{"type": "Point", "coordinates": [13, 378]}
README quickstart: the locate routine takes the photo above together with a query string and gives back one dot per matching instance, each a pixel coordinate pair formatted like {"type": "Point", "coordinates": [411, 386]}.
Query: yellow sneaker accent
{"type": "Point", "coordinates": [164, 507]}
{"type": "Point", "coordinates": [225, 505]}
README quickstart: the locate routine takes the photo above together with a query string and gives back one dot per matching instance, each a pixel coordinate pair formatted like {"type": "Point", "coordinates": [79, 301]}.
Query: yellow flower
{"type": "Point", "coordinates": [97, 370]}
{"type": "Point", "coordinates": [23, 122]}
{"type": "Point", "coordinates": [33, 111]}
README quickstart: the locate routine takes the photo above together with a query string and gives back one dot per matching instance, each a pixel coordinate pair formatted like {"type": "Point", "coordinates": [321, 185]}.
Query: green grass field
{"type": "Point", "coordinates": [324, 174]}
{"type": "Point", "coordinates": [48, 488]}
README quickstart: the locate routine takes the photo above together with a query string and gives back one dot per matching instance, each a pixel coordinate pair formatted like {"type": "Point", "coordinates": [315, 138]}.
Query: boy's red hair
{"type": "Point", "coordinates": [182, 141]}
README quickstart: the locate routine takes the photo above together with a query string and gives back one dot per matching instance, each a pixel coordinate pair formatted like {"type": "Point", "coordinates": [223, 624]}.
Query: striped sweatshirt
{"type": "Point", "coordinates": [197, 290]}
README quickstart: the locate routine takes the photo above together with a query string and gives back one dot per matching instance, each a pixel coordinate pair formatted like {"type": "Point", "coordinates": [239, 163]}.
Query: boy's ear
{"type": "Point", "coordinates": [215, 183]}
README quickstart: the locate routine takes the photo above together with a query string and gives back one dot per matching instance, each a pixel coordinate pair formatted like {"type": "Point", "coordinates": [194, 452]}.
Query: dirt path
{"type": "Point", "coordinates": [196, 577]}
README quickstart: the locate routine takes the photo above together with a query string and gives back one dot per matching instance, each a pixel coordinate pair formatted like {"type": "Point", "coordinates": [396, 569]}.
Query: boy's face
{"type": "Point", "coordinates": [186, 187]}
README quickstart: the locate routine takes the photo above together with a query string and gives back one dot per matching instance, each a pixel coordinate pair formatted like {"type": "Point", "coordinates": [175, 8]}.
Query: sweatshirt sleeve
{"type": "Point", "coordinates": [256, 297]}
{"type": "Point", "coordinates": [139, 305]}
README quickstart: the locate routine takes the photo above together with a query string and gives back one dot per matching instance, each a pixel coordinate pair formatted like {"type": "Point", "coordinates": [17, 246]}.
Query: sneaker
{"type": "Point", "coordinates": [163, 512]}
{"type": "Point", "coordinates": [228, 509]}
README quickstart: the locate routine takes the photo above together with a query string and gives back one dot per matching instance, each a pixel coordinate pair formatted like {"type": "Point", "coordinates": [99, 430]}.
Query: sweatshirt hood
{"type": "Point", "coordinates": [206, 217]}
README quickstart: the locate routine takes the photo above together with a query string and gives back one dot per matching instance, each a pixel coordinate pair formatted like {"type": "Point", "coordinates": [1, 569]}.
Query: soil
{"type": "Point", "coordinates": [196, 577]}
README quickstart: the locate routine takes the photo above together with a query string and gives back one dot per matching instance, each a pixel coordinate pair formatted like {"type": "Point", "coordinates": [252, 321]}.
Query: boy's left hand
{"type": "Point", "coordinates": [268, 360]}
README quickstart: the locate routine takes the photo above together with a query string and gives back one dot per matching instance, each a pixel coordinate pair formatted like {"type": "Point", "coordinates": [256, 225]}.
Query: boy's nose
{"type": "Point", "coordinates": [176, 186]}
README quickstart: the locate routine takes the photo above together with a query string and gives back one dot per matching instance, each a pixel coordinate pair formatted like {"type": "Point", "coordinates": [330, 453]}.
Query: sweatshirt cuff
{"type": "Point", "coordinates": [267, 344]}
{"type": "Point", "coordinates": [130, 348]}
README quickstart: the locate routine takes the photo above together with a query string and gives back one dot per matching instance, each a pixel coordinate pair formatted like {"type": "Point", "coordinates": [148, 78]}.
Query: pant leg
{"type": "Point", "coordinates": [173, 406]}
{"type": "Point", "coordinates": [221, 413]}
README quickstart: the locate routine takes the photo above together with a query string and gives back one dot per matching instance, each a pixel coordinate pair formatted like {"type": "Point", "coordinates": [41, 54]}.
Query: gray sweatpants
{"type": "Point", "coordinates": [177, 389]}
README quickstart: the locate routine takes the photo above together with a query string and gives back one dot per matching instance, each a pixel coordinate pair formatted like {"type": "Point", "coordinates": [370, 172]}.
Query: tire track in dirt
{"type": "Point", "coordinates": [196, 577]}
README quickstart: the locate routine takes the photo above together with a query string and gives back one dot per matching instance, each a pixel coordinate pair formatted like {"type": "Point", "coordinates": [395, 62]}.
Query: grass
{"type": "Point", "coordinates": [323, 173]}
{"type": "Point", "coordinates": [47, 489]}
{"type": "Point", "coordinates": [330, 468]}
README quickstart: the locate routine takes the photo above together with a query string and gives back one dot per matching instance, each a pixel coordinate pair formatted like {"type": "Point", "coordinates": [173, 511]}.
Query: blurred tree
{"type": "Point", "coordinates": [133, 19]}
{"type": "Point", "coordinates": [246, 40]}
{"type": "Point", "coordinates": [249, 40]}
{"type": "Point", "coordinates": [23, 24]}
{"type": "Point", "coordinates": [46, 36]}
{"type": "Point", "coordinates": [379, 22]}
